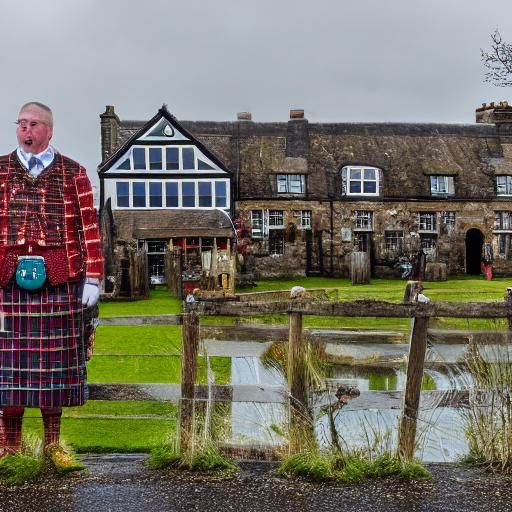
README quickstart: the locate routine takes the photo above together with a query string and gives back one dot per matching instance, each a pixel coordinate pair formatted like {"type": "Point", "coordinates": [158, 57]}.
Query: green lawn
{"type": "Point", "coordinates": [160, 302]}
{"type": "Point", "coordinates": [466, 288]}
{"type": "Point", "coordinates": [140, 339]}
{"type": "Point", "coordinates": [95, 427]}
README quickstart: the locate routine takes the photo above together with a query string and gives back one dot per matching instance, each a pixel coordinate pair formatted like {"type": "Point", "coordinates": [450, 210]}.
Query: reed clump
{"type": "Point", "coordinates": [489, 414]}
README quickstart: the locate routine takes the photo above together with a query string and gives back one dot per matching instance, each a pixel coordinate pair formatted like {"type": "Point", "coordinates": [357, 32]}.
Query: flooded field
{"type": "Point", "coordinates": [370, 420]}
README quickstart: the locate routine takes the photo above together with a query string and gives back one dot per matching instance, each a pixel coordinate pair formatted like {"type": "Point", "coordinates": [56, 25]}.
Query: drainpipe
{"type": "Point", "coordinates": [332, 237]}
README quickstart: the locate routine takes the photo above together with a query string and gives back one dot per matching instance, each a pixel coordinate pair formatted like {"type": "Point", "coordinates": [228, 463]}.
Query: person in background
{"type": "Point", "coordinates": [51, 264]}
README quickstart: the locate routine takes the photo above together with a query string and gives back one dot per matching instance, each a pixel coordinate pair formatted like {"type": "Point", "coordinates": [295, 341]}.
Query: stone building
{"type": "Point", "coordinates": [313, 193]}
{"type": "Point", "coordinates": [163, 193]}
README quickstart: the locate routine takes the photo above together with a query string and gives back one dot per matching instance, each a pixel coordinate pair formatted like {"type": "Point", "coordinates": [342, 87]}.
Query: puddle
{"type": "Point", "coordinates": [440, 431]}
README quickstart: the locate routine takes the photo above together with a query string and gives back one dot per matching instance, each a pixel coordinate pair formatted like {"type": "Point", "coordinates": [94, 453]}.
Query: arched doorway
{"type": "Point", "coordinates": [474, 244]}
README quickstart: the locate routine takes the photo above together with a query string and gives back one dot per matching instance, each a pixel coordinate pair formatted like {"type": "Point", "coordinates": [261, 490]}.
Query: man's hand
{"type": "Point", "coordinates": [90, 295]}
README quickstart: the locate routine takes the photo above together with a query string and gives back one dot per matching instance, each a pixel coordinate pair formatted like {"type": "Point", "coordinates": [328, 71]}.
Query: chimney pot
{"type": "Point", "coordinates": [244, 116]}
{"type": "Point", "coordinates": [297, 114]}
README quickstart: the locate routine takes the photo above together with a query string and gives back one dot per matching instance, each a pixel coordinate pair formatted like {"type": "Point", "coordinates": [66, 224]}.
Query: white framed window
{"type": "Point", "coordinates": [304, 219]}
{"type": "Point", "coordinates": [257, 226]}
{"type": "Point", "coordinates": [166, 158]}
{"type": "Point", "coordinates": [504, 185]}
{"type": "Point", "coordinates": [427, 221]}
{"type": "Point", "coordinates": [363, 220]}
{"type": "Point", "coordinates": [276, 219]}
{"type": "Point", "coordinates": [448, 221]}
{"type": "Point", "coordinates": [503, 221]}
{"type": "Point", "coordinates": [265, 221]}
{"type": "Point", "coordinates": [393, 241]}
{"type": "Point", "coordinates": [291, 183]}
{"type": "Point", "coordinates": [200, 193]}
{"type": "Point", "coordinates": [361, 181]}
{"type": "Point", "coordinates": [504, 245]}
{"type": "Point", "coordinates": [442, 185]}
{"type": "Point", "coordinates": [123, 194]}
{"type": "Point", "coordinates": [429, 245]}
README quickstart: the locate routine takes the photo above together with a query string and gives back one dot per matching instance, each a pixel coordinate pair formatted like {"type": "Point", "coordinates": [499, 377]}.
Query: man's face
{"type": "Point", "coordinates": [34, 129]}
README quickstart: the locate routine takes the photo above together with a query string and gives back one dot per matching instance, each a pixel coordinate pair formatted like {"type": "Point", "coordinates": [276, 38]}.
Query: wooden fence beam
{"type": "Point", "coordinates": [358, 308]}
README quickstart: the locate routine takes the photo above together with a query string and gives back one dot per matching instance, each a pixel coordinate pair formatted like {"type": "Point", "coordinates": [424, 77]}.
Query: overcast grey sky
{"type": "Point", "coordinates": [339, 60]}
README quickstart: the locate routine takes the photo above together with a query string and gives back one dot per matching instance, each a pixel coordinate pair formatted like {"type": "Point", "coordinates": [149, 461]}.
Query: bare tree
{"type": "Point", "coordinates": [498, 61]}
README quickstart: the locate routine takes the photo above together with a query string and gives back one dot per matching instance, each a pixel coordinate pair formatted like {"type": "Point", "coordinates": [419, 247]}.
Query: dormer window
{"type": "Point", "coordinates": [361, 181]}
{"type": "Point", "coordinates": [504, 185]}
{"type": "Point", "coordinates": [442, 185]}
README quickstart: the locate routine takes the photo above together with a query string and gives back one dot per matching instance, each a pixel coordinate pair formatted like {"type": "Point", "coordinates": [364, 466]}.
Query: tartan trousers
{"type": "Point", "coordinates": [42, 346]}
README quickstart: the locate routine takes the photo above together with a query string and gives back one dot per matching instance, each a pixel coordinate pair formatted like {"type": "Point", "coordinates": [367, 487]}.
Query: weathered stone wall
{"type": "Point", "coordinates": [407, 154]}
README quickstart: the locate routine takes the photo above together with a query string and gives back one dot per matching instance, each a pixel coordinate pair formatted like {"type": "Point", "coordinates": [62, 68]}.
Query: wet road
{"type": "Point", "coordinates": [122, 483]}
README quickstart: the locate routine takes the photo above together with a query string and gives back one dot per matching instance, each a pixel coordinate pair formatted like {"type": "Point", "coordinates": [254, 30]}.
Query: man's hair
{"type": "Point", "coordinates": [42, 106]}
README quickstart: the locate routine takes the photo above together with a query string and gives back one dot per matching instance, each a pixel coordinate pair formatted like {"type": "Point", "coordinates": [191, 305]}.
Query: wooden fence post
{"type": "Point", "coordinates": [417, 349]}
{"type": "Point", "coordinates": [508, 300]}
{"type": "Point", "coordinates": [301, 431]}
{"type": "Point", "coordinates": [190, 347]}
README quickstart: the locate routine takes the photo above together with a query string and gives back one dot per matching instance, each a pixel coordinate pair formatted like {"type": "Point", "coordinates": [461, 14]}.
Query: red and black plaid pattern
{"type": "Point", "coordinates": [42, 347]}
{"type": "Point", "coordinates": [53, 212]}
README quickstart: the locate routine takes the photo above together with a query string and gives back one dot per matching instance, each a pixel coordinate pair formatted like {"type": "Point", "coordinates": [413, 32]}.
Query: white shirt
{"type": "Point", "coordinates": [45, 157]}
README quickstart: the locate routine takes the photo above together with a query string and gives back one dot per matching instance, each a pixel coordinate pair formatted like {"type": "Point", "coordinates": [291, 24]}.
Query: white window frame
{"type": "Point", "coordinates": [363, 220]}
{"type": "Point", "coordinates": [111, 191]}
{"type": "Point", "coordinates": [428, 242]}
{"type": "Point", "coordinates": [393, 241]}
{"type": "Point", "coordinates": [259, 231]}
{"type": "Point", "coordinates": [305, 218]}
{"type": "Point", "coordinates": [285, 183]}
{"type": "Point", "coordinates": [503, 221]}
{"type": "Point", "coordinates": [362, 180]}
{"type": "Point", "coordinates": [505, 186]}
{"type": "Point", "coordinates": [427, 222]}
{"type": "Point", "coordinates": [129, 155]}
{"type": "Point", "coordinates": [442, 185]}
{"type": "Point", "coordinates": [273, 219]}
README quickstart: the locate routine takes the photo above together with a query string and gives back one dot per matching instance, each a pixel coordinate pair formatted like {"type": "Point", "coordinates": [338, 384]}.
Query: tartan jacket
{"type": "Point", "coordinates": [52, 215]}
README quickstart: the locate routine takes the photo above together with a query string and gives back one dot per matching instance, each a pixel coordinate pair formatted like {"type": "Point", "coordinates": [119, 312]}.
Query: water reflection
{"type": "Point", "coordinates": [440, 431]}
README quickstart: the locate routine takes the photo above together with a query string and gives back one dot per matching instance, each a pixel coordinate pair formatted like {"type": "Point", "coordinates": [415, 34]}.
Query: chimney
{"type": "Point", "coordinates": [109, 132]}
{"type": "Point", "coordinates": [297, 136]}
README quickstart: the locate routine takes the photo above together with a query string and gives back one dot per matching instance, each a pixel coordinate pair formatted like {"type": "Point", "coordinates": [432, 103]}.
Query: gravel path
{"type": "Point", "coordinates": [122, 483]}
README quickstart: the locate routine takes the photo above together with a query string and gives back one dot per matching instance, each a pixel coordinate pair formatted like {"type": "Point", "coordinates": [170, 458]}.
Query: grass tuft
{"type": "Point", "coordinates": [24, 466]}
{"type": "Point", "coordinates": [489, 415]}
{"type": "Point", "coordinates": [208, 458]}
{"type": "Point", "coordinates": [349, 468]}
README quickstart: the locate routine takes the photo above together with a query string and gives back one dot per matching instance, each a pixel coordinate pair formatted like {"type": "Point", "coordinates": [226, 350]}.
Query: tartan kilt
{"type": "Point", "coordinates": [42, 346]}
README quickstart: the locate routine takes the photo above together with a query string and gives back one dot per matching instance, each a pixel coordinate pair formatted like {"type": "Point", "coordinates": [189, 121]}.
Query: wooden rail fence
{"type": "Point", "coordinates": [419, 312]}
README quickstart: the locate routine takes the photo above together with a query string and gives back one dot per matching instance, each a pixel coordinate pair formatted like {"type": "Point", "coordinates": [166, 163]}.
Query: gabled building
{"type": "Point", "coordinates": [313, 193]}
{"type": "Point", "coordinates": [163, 191]}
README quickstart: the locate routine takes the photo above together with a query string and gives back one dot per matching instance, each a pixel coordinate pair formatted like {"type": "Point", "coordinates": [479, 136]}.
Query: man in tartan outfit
{"type": "Point", "coordinates": [46, 210]}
